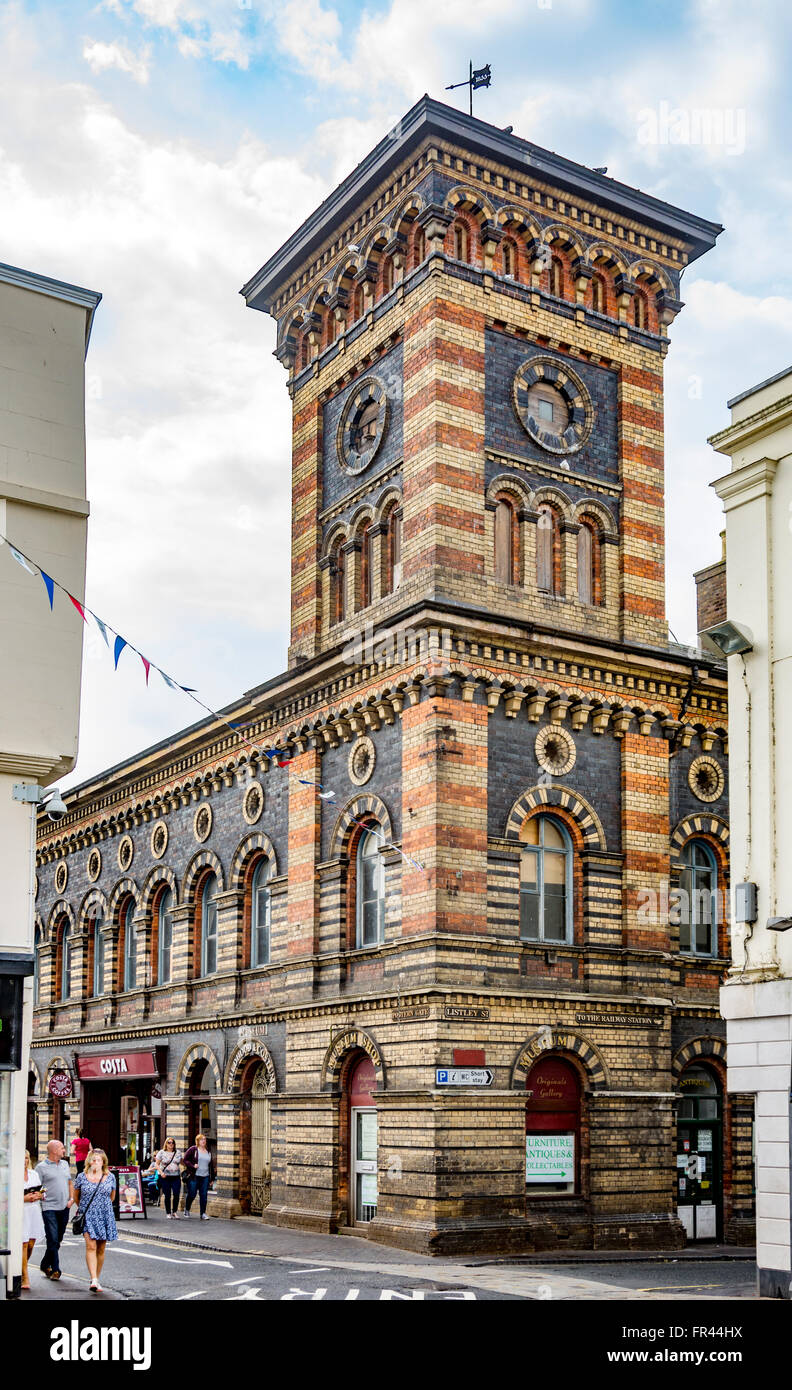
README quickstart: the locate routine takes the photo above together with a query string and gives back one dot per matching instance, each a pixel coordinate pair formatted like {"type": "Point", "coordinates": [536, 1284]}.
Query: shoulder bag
{"type": "Point", "coordinates": [78, 1224]}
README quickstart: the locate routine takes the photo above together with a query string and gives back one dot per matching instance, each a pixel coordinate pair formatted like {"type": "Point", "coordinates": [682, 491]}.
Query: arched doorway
{"type": "Point", "coordinates": [360, 1081]}
{"type": "Point", "coordinates": [552, 1127]}
{"type": "Point", "coordinates": [201, 1090]}
{"type": "Point", "coordinates": [699, 1154]}
{"type": "Point", "coordinates": [255, 1138]}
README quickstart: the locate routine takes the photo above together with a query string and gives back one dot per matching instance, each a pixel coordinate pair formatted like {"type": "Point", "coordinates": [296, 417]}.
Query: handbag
{"type": "Point", "coordinates": [78, 1224]}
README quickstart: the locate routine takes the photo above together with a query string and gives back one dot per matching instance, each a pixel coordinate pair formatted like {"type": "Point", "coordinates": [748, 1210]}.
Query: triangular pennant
{"type": "Point", "coordinates": [49, 585]}
{"type": "Point", "coordinates": [147, 665]}
{"type": "Point", "coordinates": [327, 796]}
{"type": "Point", "coordinates": [20, 559]}
{"type": "Point", "coordinates": [118, 647]}
{"type": "Point", "coordinates": [79, 607]}
{"type": "Point", "coordinates": [102, 628]}
{"type": "Point", "coordinates": [188, 689]}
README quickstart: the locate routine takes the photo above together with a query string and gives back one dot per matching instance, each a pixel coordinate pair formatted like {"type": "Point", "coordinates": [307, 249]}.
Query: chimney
{"type": "Point", "coordinates": [711, 591]}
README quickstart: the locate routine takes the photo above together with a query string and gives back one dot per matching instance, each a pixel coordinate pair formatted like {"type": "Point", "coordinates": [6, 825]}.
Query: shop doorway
{"type": "Point", "coordinates": [260, 1143]}
{"type": "Point", "coordinates": [552, 1128]}
{"type": "Point", "coordinates": [699, 1154]}
{"type": "Point", "coordinates": [363, 1184]}
{"type": "Point", "coordinates": [202, 1106]}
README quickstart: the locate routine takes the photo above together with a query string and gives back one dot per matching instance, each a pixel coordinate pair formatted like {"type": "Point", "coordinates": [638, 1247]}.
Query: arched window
{"type": "Point", "coordinates": [506, 541]}
{"type": "Point", "coordinates": [639, 310]}
{"type": "Point", "coordinates": [461, 242]}
{"type": "Point", "coordinates": [37, 966]}
{"type": "Point", "coordinates": [509, 259]}
{"type": "Point", "coordinates": [556, 278]}
{"type": "Point", "coordinates": [391, 578]}
{"type": "Point", "coordinates": [164, 936]}
{"type": "Point", "coordinates": [387, 275]}
{"type": "Point", "coordinates": [357, 303]}
{"type": "Point", "coordinates": [698, 914]}
{"type": "Point", "coordinates": [548, 551]}
{"type": "Point", "coordinates": [370, 878]}
{"type": "Point", "coordinates": [129, 944]}
{"type": "Point", "coordinates": [338, 584]}
{"type": "Point", "coordinates": [598, 295]}
{"type": "Point", "coordinates": [65, 961]}
{"type": "Point", "coordinates": [209, 925]}
{"type": "Point", "coordinates": [305, 353]}
{"type": "Point", "coordinates": [260, 915]}
{"type": "Point", "coordinates": [419, 246]}
{"type": "Point", "coordinates": [589, 554]}
{"type": "Point", "coordinates": [98, 948]}
{"type": "Point", "coordinates": [545, 880]}
{"type": "Point", "coordinates": [331, 327]}
{"type": "Point", "coordinates": [366, 566]}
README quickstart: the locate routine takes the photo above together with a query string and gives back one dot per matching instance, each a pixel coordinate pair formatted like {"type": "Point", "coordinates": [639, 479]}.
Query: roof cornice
{"type": "Point", "coordinates": [55, 289]}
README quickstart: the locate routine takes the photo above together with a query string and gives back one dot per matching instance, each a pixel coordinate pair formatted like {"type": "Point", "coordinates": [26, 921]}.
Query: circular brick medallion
{"type": "Point", "coordinates": [544, 388]}
{"type": "Point", "coordinates": [253, 803]}
{"type": "Point", "coordinates": [61, 877]}
{"type": "Point", "coordinates": [555, 750]}
{"type": "Point", "coordinates": [94, 865]}
{"type": "Point", "coordinates": [126, 853]}
{"type": "Point", "coordinates": [706, 778]}
{"type": "Point", "coordinates": [159, 839]}
{"type": "Point", "coordinates": [202, 823]}
{"type": "Point", "coordinates": [362, 758]}
{"type": "Point", "coordinates": [362, 426]}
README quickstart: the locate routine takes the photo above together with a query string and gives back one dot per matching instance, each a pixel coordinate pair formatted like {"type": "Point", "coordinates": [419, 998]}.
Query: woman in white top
{"type": "Point", "coordinates": [32, 1220]}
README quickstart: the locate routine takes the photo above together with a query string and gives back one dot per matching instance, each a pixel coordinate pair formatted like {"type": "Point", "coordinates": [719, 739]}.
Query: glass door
{"type": "Point", "coordinates": [364, 1165]}
{"type": "Point", "coordinates": [698, 1162]}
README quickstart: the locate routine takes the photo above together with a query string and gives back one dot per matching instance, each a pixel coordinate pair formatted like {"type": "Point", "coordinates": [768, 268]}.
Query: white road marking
{"type": "Point", "coordinates": [170, 1259]}
{"type": "Point", "coordinates": [322, 1269]}
{"type": "Point", "coordinates": [197, 1294]}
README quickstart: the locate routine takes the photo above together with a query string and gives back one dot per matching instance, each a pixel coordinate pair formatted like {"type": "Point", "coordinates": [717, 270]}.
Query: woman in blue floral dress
{"type": "Point", "coordinates": [96, 1186]}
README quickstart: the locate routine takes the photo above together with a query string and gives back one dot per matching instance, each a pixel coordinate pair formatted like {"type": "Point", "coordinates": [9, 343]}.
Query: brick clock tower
{"type": "Point", "coordinates": [474, 331]}
{"type": "Point", "coordinates": [462, 994]}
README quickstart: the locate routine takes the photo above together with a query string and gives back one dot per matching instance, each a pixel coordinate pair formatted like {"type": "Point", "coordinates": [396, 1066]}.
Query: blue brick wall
{"type": "Point", "coordinates": [385, 781]}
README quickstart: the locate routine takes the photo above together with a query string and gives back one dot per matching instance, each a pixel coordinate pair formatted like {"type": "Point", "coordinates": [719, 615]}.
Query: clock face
{"type": "Point", "coordinates": [552, 405]}
{"type": "Point", "coordinates": [362, 426]}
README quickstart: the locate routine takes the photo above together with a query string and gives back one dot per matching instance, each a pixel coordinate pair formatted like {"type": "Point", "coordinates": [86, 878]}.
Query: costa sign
{"type": "Point", "coordinates": [60, 1085]}
{"type": "Point", "coordinates": [117, 1066]}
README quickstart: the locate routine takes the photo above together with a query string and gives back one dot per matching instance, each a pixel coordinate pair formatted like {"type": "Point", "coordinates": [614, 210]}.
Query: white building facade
{"type": "Point", "coordinates": [44, 330]}
{"type": "Point", "coordinates": [756, 999]}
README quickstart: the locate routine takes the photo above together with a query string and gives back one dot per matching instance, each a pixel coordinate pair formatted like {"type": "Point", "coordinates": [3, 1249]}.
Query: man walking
{"type": "Point", "coordinates": [59, 1197]}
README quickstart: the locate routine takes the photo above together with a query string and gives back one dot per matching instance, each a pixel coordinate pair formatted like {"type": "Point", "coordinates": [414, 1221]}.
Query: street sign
{"type": "Point", "coordinates": [464, 1076]}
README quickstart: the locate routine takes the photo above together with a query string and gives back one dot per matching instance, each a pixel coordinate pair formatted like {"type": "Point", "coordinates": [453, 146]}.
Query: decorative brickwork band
{"type": "Point", "coordinates": [559, 1040]}
{"type": "Point", "coordinates": [350, 1040]}
{"type": "Point", "coordinates": [199, 1052]}
{"type": "Point", "coordinates": [698, 1047]}
{"type": "Point", "coordinates": [252, 844]}
{"type": "Point", "coordinates": [355, 810]}
{"type": "Point", "coordinates": [700, 824]}
{"type": "Point", "coordinates": [251, 1048]}
{"type": "Point", "coordinates": [585, 815]}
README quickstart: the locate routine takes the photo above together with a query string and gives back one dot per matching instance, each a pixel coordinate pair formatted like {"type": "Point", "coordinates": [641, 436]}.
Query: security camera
{"type": "Point", "coordinates": [55, 806]}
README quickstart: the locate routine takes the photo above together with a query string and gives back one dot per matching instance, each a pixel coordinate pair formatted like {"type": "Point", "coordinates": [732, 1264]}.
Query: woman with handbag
{"type": "Point", "coordinates": [198, 1167]}
{"type": "Point", "coordinates": [168, 1165]}
{"type": "Point", "coordinates": [95, 1219]}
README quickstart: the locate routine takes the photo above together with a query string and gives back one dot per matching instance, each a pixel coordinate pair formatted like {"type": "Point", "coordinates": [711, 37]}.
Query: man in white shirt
{"type": "Point", "coordinates": [56, 1180]}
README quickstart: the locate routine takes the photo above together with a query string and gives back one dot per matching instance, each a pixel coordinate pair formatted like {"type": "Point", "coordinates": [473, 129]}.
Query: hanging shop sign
{"type": "Point", "coordinates": [117, 1066]}
{"type": "Point", "coordinates": [60, 1085]}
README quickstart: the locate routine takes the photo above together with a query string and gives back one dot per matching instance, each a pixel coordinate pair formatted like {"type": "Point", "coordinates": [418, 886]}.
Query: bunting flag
{"type": "Point", "coordinates": [275, 755]}
{"type": "Point", "coordinates": [49, 585]}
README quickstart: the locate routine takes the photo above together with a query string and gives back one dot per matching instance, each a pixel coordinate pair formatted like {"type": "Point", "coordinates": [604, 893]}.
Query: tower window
{"type": "Point", "coordinates": [260, 915]}
{"type": "Point", "coordinates": [506, 542]}
{"type": "Point", "coordinates": [461, 242]}
{"type": "Point", "coordinates": [338, 585]}
{"type": "Point", "coordinates": [548, 553]}
{"type": "Point", "coordinates": [370, 895]}
{"type": "Point", "coordinates": [556, 278]}
{"type": "Point", "coordinates": [699, 898]}
{"type": "Point", "coordinates": [589, 552]}
{"type": "Point", "coordinates": [545, 881]}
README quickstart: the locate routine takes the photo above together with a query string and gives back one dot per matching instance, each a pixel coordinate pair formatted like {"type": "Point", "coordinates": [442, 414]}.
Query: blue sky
{"type": "Point", "coordinates": [160, 150]}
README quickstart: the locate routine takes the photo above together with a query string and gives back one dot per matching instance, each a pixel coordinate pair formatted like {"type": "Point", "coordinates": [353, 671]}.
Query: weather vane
{"type": "Point", "coordinates": [479, 77]}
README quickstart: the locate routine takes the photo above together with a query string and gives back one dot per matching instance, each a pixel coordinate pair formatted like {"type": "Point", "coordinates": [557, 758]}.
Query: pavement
{"type": "Point", "coordinates": [276, 1260]}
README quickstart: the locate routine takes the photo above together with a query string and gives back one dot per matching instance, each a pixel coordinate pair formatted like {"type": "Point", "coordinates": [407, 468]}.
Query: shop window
{"type": "Point", "coordinates": [98, 950]}
{"type": "Point", "coordinates": [164, 936]}
{"type": "Point", "coordinates": [209, 925]}
{"type": "Point", "coordinates": [370, 895]}
{"type": "Point", "coordinates": [552, 1128]}
{"type": "Point", "coordinates": [261, 910]}
{"type": "Point", "coordinates": [698, 900]}
{"type": "Point", "coordinates": [129, 937]}
{"type": "Point", "coordinates": [545, 881]}
{"type": "Point", "coordinates": [506, 541]}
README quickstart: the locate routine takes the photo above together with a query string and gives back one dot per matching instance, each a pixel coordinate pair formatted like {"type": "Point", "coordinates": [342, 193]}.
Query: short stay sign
{"type": "Point", "coordinates": [464, 1076]}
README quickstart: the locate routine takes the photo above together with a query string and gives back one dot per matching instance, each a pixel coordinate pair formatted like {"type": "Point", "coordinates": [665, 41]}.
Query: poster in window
{"type": "Point", "coordinates": [368, 1189]}
{"type": "Point", "coordinates": [550, 1158]}
{"type": "Point", "coordinates": [705, 1141]}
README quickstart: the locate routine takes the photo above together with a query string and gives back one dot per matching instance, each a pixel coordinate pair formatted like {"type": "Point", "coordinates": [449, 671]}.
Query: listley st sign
{"type": "Point", "coordinates": [464, 1076]}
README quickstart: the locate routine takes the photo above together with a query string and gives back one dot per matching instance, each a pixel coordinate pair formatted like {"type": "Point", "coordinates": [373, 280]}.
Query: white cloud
{"type": "Point", "coordinates": [225, 31]}
{"type": "Point", "coordinates": [101, 56]}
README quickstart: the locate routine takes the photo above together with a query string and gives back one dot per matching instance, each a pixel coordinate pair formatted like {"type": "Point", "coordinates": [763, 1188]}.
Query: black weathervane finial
{"type": "Point", "coordinates": [479, 77]}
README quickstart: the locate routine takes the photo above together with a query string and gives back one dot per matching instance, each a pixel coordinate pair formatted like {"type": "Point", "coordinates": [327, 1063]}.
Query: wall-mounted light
{"type": "Point", "coordinates": [727, 639]}
{"type": "Point", "coordinates": [779, 923]}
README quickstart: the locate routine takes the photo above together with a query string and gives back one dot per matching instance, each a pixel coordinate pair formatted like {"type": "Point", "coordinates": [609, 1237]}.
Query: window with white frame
{"type": "Point", "coordinates": [698, 934]}
{"type": "Point", "coordinates": [98, 982]}
{"type": "Point", "coordinates": [164, 936]}
{"type": "Point", "coordinates": [370, 889]}
{"type": "Point", "coordinates": [130, 946]}
{"type": "Point", "coordinates": [209, 925]}
{"type": "Point", "coordinates": [545, 880]}
{"type": "Point", "coordinates": [65, 975]}
{"type": "Point", "coordinates": [260, 915]}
